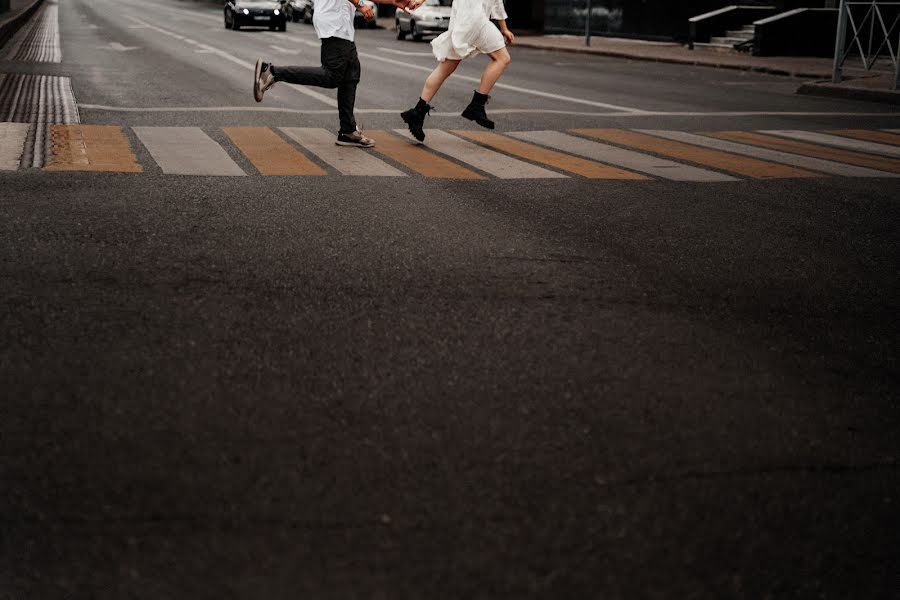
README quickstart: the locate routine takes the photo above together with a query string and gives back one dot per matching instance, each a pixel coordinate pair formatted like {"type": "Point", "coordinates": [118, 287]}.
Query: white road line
{"type": "Point", "coordinates": [231, 58]}
{"type": "Point", "coordinates": [282, 50]}
{"type": "Point", "coordinates": [837, 141]}
{"type": "Point", "coordinates": [628, 159]}
{"type": "Point", "coordinates": [494, 163]}
{"type": "Point", "coordinates": [406, 52]}
{"type": "Point", "coordinates": [186, 151]}
{"type": "Point", "coordinates": [892, 130]}
{"type": "Point", "coordinates": [795, 160]}
{"type": "Point", "coordinates": [12, 143]}
{"type": "Point", "coordinates": [349, 161]}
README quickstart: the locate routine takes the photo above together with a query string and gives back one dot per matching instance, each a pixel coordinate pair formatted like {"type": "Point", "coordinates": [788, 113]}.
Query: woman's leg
{"type": "Point", "coordinates": [437, 78]}
{"type": "Point", "coordinates": [499, 60]}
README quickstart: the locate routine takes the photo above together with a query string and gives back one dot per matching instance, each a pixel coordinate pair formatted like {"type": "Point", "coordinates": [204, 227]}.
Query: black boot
{"type": "Point", "coordinates": [415, 118]}
{"type": "Point", "coordinates": [475, 111]}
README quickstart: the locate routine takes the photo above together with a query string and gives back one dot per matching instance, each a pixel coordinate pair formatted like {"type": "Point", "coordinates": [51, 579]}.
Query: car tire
{"type": "Point", "coordinates": [401, 35]}
{"type": "Point", "coordinates": [414, 31]}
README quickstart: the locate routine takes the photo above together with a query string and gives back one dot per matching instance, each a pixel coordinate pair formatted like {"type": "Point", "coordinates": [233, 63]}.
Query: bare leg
{"type": "Point", "coordinates": [437, 78]}
{"type": "Point", "coordinates": [499, 60]}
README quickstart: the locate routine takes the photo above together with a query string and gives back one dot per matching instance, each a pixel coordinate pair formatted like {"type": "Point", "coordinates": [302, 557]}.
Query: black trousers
{"type": "Point", "coordinates": [340, 69]}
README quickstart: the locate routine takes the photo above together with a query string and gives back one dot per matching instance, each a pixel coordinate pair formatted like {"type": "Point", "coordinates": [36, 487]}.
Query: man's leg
{"type": "Point", "coordinates": [334, 55]}
{"type": "Point", "coordinates": [346, 95]}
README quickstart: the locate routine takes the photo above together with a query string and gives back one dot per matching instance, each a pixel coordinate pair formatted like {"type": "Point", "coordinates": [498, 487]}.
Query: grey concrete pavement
{"type": "Point", "coordinates": [354, 387]}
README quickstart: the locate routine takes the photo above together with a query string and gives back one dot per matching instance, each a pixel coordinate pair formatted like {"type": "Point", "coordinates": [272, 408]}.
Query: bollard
{"type": "Point", "coordinates": [587, 25]}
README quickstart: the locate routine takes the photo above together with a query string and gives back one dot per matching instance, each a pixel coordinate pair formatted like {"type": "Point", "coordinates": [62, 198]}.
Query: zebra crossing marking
{"type": "Point", "coordinates": [97, 148]}
{"type": "Point", "coordinates": [834, 140]}
{"type": "Point", "coordinates": [732, 163]}
{"type": "Point", "coordinates": [416, 158]}
{"type": "Point", "coordinates": [186, 151]}
{"type": "Point", "coordinates": [269, 153]}
{"type": "Point", "coordinates": [557, 160]}
{"type": "Point", "coordinates": [796, 160]}
{"type": "Point", "coordinates": [12, 144]}
{"type": "Point", "coordinates": [628, 159]}
{"type": "Point", "coordinates": [882, 137]}
{"type": "Point", "coordinates": [493, 163]}
{"type": "Point", "coordinates": [348, 161]}
{"type": "Point", "coordinates": [871, 161]}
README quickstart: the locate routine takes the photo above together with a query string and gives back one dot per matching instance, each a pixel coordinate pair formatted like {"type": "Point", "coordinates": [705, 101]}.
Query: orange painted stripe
{"type": "Point", "coordinates": [552, 158]}
{"type": "Point", "coordinates": [97, 148]}
{"type": "Point", "coordinates": [882, 137]}
{"type": "Point", "coordinates": [860, 159]}
{"type": "Point", "coordinates": [270, 153]}
{"type": "Point", "coordinates": [419, 159]}
{"type": "Point", "coordinates": [724, 161]}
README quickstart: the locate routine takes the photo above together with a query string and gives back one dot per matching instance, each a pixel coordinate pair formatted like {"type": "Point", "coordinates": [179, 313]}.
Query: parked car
{"type": "Point", "coordinates": [297, 10]}
{"type": "Point", "coordinates": [255, 13]}
{"type": "Point", "coordinates": [431, 18]}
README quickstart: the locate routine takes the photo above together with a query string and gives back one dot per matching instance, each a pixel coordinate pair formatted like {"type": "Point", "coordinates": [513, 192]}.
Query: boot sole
{"type": "Point", "coordinates": [486, 125]}
{"type": "Point", "coordinates": [257, 94]}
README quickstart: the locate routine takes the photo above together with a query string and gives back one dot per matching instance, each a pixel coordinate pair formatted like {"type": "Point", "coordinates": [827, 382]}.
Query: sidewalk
{"type": "Point", "coordinates": [858, 84]}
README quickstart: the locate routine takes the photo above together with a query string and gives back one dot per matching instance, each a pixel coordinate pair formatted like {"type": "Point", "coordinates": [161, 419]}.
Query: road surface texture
{"type": "Point", "coordinates": [642, 342]}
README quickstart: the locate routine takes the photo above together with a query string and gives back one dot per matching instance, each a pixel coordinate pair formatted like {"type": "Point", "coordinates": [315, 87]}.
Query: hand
{"type": "Point", "coordinates": [508, 36]}
{"type": "Point", "coordinates": [367, 12]}
{"type": "Point", "coordinates": [410, 5]}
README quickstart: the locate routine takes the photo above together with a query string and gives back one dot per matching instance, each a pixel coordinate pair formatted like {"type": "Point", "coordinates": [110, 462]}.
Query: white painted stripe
{"type": "Point", "coordinates": [620, 157]}
{"type": "Point", "coordinates": [498, 165]}
{"type": "Point", "coordinates": [231, 58]}
{"type": "Point", "coordinates": [837, 141]}
{"type": "Point", "coordinates": [786, 158]}
{"type": "Point", "coordinates": [406, 52]}
{"type": "Point", "coordinates": [186, 151]}
{"type": "Point", "coordinates": [12, 143]}
{"type": "Point", "coordinates": [892, 130]}
{"type": "Point", "coordinates": [511, 111]}
{"type": "Point", "coordinates": [347, 160]}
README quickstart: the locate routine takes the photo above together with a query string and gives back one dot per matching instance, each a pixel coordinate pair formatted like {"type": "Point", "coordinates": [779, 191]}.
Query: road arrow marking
{"type": "Point", "coordinates": [119, 47]}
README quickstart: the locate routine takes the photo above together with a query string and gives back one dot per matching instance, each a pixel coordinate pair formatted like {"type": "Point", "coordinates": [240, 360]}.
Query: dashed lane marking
{"type": "Point", "coordinates": [98, 148]}
{"type": "Point", "coordinates": [837, 141]}
{"type": "Point", "coordinates": [629, 159]}
{"type": "Point", "coordinates": [269, 153]}
{"type": "Point", "coordinates": [416, 158]}
{"type": "Point", "coordinates": [349, 161]}
{"type": "Point", "coordinates": [552, 158]}
{"type": "Point", "coordinates": [186, 151]}
{"type": "Point", "coordinates": [12, 144]}
{"type": "Point", "coordinates": [494, 163]}
{"type": "Point", "coordinates": [871, 161]}
{"type": "Point", "coordinates": [881, 137]}
{"type": "Point", "coordinates": [732, 163]}
{"type": "Point", "coordinates": [795, 160]}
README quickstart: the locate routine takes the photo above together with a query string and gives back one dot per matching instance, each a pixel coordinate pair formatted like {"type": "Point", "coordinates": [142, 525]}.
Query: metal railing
{"type": "Point", "coordinates": [874, 15]}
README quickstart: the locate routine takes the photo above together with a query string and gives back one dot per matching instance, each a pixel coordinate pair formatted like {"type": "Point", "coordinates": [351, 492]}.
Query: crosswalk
{"type": "Point", "coordinates": [597, 154]}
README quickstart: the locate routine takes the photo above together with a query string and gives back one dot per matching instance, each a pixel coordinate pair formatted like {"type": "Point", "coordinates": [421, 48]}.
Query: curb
{"type": "Point", "coordinates": [830, 90]}
{"type": "Point", "coordinates": [680, 61]}
{"type": "Point", "coordinates": [9, 27]}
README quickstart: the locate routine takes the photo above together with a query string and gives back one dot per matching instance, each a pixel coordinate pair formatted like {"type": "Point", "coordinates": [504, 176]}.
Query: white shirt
{"type": "Point", "coordinates": [334, 18]}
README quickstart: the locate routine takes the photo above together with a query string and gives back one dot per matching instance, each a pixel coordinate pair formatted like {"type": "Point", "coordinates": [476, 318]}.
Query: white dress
{"type": "Point", "coordinates": [470, 30]}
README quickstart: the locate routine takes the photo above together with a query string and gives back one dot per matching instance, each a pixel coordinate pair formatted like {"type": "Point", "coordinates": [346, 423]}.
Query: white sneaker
{"type": "Point", "coordinates": [262, 79]}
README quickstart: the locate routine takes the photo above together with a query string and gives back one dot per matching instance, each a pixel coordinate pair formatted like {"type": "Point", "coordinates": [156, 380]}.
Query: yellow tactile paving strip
{"type": "Point", "coordinates": [724, 161]}
{"type": "Point", "coordinates": [551, 158]}
{"type": "Point", "coordinates": [96, 148]}
{"type": "Point", "coordinates": [860, 159]}
{"type": "Point", "coordinates": [417, 158]}
{"type": "Point", "coordinates": [270, 153]}
{"type": "Point", "coordinates": [881, 137]}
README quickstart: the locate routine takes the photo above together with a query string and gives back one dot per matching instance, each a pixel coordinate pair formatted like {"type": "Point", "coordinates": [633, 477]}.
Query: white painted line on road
{"type": "Point", "coordinates": [892, 130]}
{"type": "Point", "coordinates": [406, 52]}
{"type": "Point", "coordinates": [349, 161]}
{"type": "Point", "coordinates": [837, 141]}
{"type": "Point", "coordinates": [795, 160]}
{"type": "Point", "coordinates": [231, 58]}
{"type": "Point", "coordinates": [629, 159]}
{"type": "Point", "coordinates": [283, 50]}
{"type": "Point", "coordinates": [494, 163]}
{"type": "Point", "coordinates": [12, 143]}
{"type": "Point", "coordinates": [186, 151]}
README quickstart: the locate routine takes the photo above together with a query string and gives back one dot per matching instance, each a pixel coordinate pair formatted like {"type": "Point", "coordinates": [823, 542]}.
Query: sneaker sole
{"type": "Point", "coordinates": [354, 145]}
{"type": "Point", "coordinates": [257, 94]}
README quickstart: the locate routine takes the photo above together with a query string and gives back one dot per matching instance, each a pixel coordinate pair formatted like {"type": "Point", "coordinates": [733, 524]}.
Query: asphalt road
{"type": "Point", "coordinates": [362, 387]}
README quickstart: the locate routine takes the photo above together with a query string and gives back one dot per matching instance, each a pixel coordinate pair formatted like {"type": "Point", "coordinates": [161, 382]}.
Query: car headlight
{"type": "Point", "coordinates": [246, 12]}
{"type": "Point", "coordinates": [276, 12]}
